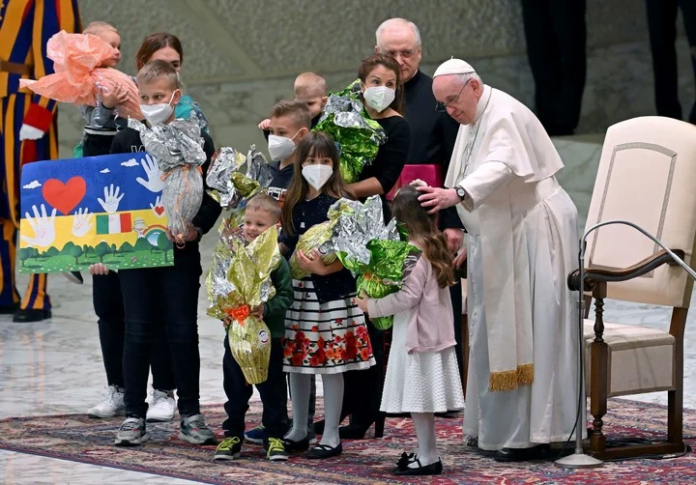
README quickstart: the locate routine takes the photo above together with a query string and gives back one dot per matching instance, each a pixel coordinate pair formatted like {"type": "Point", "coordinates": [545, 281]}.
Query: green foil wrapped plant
{"type": "Point", "coordinates": [238, 280]}
{"type": "Point", "coordinates": [374, 252]}
{"type": "Point", "coordinates": [358, 136]}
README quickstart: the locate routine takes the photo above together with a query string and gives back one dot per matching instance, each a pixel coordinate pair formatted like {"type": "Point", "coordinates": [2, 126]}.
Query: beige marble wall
{"type": "Point", "coordinates": [241, 56]}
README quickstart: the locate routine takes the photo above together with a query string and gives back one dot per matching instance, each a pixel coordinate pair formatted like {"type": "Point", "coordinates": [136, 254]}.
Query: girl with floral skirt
{"type": "Point", "coordinates": [325, 332]}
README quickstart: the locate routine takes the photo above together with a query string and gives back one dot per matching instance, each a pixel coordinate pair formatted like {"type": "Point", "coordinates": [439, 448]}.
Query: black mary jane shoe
{"type": "Point", "coordinates": [404, 460]}
{"type": "Point", "coordinates": [539, 452]}
{"type": "Point", "coordinates": [432, 469]}
{"type": "Point", "coordinates": [296, 446]}
{"type": "Point", "coordinates": [321, 452]}
{"type": "Point", "coordinates": [28, 316]}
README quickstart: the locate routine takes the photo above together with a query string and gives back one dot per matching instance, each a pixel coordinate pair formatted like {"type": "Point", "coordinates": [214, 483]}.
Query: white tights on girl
{"type": "Point", "coordinates": [424, 423]}
{"type": "Point", "coordinates": [300, 385]}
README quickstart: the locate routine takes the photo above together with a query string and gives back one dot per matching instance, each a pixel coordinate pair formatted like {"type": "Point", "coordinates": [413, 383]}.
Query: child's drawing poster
{"type": "Point", "coordinates": [96, 209]}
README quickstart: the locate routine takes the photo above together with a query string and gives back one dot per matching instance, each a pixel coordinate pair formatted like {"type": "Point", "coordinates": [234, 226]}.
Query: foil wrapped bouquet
{"type": "Point", "coordinates": [234, 177]}
{"type": "Point", "coordinates": [178, 148]}
{"type": "Point", "coordinates": [373, 251]}
{"type": "Point", "coordinates": [238, 280]}
{"type": "Point", "coordinates": [359, 136]}
{"type": "Point", "coordinates": [319, 238]}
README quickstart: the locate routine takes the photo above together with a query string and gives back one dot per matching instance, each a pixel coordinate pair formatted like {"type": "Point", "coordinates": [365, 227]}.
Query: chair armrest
{"type": "Point", "coordinates": [593, 275]}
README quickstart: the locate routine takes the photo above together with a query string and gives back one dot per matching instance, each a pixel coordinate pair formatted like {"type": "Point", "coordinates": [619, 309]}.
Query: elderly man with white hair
{"type": "Point", "coordinates": [522, 242]}
{"type": "Point", "coordinates": [432, 139]}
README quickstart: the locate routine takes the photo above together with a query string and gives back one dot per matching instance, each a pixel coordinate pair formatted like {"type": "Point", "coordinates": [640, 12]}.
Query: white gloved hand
{"type": "Point", "coordinates": [28, 132]}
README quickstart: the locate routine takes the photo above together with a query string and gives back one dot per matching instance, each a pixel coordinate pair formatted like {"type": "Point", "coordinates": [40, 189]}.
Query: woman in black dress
{"type": "Point", "coordinates": [381, 94]}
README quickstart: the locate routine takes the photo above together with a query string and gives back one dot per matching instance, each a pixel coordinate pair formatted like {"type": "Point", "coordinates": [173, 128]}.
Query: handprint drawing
{"type": "Point", "coordinates": [43, 226]}
{"type": "Point", "coordinates": [111, 199]}
{"type": "Point", "coordinates": [81, 222]}
{"type": "Point", "coordinates": [154, 182]}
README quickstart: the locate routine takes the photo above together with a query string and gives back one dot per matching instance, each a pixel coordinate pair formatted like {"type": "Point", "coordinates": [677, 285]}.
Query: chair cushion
{"type": "Point", "coordinates": [641, 359]}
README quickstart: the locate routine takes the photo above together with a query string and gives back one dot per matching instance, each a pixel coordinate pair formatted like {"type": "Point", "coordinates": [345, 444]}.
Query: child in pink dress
{"type": "Point", "coordinates": [422, 373]}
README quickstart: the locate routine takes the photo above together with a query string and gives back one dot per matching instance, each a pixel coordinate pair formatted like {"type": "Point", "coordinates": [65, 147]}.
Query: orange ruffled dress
{"type": "Point", "coordinates": [78, 79]}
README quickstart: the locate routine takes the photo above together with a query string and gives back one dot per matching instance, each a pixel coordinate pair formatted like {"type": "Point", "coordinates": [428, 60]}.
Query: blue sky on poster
{"type": "Point", "coordinates": [134, 174]}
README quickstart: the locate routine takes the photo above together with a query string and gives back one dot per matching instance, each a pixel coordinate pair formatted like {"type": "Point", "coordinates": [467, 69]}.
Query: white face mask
{"type": "Point", "coordinates": [280, 147]}
{"type": "Point", "coordinates": [156, 114]}
{"type": "Point", "coordinates": [379, 97]}
{"type": "Point", "coordinates": [317, 175]}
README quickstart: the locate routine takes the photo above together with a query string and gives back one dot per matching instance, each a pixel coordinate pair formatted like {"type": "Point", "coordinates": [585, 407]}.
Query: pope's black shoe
{"type": "Point", "coordinates": [539, 452]}
{"type": "Point", "coordinates": [28, 316]}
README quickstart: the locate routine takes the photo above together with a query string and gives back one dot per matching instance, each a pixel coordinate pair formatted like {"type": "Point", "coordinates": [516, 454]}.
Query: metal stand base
{"type": "Point", "coordinates": [578, 460]}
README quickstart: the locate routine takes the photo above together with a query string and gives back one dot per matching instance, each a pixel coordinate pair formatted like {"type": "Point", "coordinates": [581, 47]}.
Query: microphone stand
{"type": "Point", "coordinates": [579, 459]}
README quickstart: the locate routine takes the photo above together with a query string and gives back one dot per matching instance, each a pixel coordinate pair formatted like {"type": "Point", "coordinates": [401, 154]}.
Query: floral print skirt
{"type": "Point", "coordinates": [324, 338]}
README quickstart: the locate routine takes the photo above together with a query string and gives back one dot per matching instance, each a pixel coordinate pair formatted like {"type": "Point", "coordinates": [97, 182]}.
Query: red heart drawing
{"type": "Point", "coordinates": [64, 197]}
{"type": "Point", "coordinates": [159, 210]}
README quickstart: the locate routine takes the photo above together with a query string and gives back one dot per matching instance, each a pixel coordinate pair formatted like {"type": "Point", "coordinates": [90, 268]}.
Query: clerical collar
{"type": "Point", "coordinates": [483, 102]}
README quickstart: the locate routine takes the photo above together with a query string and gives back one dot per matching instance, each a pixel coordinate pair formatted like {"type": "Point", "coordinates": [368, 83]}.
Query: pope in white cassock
{"type": "Point", "coordinates": [522, 391]}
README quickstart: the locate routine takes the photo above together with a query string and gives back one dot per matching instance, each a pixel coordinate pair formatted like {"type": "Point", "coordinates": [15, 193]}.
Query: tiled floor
{"type": "Point", "coordinates": [55, 367]}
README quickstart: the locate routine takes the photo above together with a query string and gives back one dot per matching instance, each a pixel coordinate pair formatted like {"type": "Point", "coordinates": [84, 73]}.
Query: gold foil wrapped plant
{"type": "Point", "coordinates": [239, 279]}
{"type": "Point", "coordinates": [234, 177]}
{"type": "Point", "coordinates": [319, 238]}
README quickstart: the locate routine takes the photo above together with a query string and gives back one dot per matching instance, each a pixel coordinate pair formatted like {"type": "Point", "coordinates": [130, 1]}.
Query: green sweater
{"type": "Point", "coordinates": [274, 310]}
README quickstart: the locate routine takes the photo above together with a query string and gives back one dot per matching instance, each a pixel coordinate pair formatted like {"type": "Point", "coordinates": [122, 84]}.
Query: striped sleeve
{"type": "Point", "coordinates": [50, 17]}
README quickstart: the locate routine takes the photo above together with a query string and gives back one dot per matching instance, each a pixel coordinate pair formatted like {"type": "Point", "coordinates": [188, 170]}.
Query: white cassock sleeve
{"type": "Point", "coordinates": [485, 180]}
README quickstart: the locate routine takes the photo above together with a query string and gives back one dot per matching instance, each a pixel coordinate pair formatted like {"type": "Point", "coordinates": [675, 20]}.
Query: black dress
{"type": "Point", "coordinates": [391, 157]}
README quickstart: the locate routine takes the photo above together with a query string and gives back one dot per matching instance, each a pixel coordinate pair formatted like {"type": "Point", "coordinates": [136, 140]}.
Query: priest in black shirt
{"type": "Point", "coordinates": [433, 133]}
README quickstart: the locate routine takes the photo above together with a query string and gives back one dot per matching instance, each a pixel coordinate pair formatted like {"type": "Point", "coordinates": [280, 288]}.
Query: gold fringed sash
{"type": "Point", "coordinates": [510, 379]}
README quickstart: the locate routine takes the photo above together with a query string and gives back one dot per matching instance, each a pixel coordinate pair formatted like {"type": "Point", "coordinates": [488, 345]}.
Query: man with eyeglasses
{"type": "Point", "coordinates": [522, 388]}
{"type": "Point", "coordinates": [433, 134]}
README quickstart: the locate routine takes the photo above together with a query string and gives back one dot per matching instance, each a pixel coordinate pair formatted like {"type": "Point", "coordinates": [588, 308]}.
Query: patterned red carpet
{"type": "Point", "coordinates": [81, 439]}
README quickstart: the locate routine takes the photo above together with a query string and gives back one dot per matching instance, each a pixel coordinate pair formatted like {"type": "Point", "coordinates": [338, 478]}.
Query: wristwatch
{"type": "Point", "coordinates": [461, 193]}
{"type": "Point", "coordinates": [199, 233]}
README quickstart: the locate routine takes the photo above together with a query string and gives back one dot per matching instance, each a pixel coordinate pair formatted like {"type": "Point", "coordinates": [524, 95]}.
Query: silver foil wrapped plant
{"type": "Point", "coordinates": [178, 149]}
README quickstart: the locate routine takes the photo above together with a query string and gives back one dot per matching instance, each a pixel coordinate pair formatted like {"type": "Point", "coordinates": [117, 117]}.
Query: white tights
{"type": "Point", "coordinates": [424, 423]}
{"type": "Point", "coordinates": [300, 386]}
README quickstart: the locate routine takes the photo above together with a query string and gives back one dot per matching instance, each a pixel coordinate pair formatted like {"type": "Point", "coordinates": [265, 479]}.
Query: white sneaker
{"type": "Point", "coordinates": [162, 407]}
{"type": "Point", "coordinates": [111, 406]}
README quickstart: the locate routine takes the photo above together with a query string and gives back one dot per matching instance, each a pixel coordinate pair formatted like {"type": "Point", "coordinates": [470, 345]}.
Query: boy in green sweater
{"type": "Point", "coordinates": [262, 212]}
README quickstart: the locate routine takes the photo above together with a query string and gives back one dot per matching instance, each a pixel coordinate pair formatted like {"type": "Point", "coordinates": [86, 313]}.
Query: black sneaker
{"type": "Point", "coordinates": [75, 277]}
{"type": "Point", "coordinates": [275, 450]}
{"type": "Point", "coordinates": [229, 449]}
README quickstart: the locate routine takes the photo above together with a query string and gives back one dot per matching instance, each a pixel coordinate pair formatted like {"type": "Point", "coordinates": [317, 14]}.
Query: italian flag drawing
{"type": "Point", "coordinates": [114, 223]}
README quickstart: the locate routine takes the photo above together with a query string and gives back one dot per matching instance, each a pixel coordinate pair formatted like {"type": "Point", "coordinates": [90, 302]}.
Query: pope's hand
{"type": "Point", "coordinates": [154, 182]}
{"type": "Point", "coordinates": [43, 226]}
{"type": "Point", "coordinates": [435, 199]}
{"type": "Point", "coordinates": [81, 223]}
